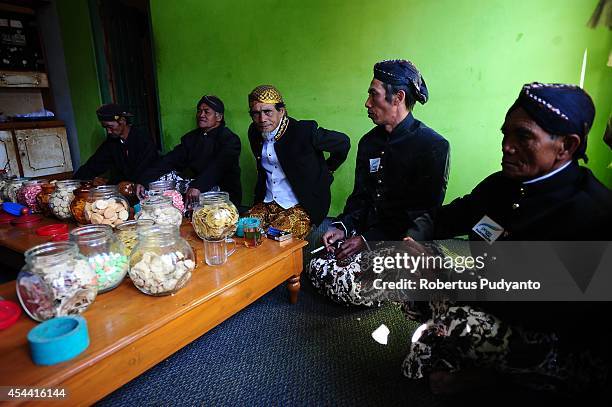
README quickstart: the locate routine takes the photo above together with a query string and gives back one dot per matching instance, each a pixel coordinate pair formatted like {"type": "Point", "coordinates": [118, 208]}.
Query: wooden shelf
{"type": "Point", "coordinates": [42, 124]}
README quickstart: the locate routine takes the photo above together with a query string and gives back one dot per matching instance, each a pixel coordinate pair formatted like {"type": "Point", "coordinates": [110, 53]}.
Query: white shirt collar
{"type": "Point", "coordinates": [550, 174]}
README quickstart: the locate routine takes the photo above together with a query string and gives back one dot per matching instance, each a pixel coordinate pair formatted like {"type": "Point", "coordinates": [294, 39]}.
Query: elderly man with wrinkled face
{"type": "Point", "coordinates": [541, 194]}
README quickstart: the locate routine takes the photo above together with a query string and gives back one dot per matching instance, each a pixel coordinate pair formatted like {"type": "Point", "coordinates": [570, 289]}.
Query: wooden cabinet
{"type": "Point", "coordinates": [8, 153]}
{"type": "Point", "coordinates": [29, 146]}
{"type": "Point", "coordinates": [10, 79]}
{"type": "Point", "coordinates": [35, 152]}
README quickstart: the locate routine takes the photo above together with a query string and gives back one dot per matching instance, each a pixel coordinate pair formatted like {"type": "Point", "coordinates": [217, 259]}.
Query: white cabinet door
{"type": "Point", "coordinates": [43, 151]}
{"type": "Point", "coordinates": [8, 155]}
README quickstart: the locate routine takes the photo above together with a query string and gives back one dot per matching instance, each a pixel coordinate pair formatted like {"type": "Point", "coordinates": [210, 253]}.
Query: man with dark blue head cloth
{"type": "Point", "coordinates": [541, 194]}
{"type": "Point", "coordinates": [401, 173]}
{"type": "Point", "coordinates": [126, 152]}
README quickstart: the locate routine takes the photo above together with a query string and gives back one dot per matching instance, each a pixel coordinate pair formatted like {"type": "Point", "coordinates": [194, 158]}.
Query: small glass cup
{"type": "Point", "coordinates": [253, 233]}
{"type": "Point", "coordinates": [215, 251]}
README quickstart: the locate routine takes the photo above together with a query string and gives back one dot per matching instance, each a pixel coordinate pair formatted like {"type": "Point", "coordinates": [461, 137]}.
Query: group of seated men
{"type": "Point", "coordinates": [402, 166]}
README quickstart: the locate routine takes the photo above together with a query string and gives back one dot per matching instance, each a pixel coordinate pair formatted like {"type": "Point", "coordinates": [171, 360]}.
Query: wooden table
{"type": "Point", "coordinates": [130, 332]}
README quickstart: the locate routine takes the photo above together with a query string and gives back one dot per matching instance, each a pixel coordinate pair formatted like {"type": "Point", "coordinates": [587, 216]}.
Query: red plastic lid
{"type": "Point", "coordinates": [52, 230]}
{"type": "Point", "coordinates": [26, 221]}
{"type": "Point", "coordinates": [9, 313]}
{"type": "Point", "coordinates": [61, 237]}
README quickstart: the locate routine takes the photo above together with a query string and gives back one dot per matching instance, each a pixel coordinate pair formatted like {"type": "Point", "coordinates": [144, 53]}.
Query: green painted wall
{"type": "Point", "coordinates": [82, 77]}
{"type": "Point", "coordinates": [474, 56]}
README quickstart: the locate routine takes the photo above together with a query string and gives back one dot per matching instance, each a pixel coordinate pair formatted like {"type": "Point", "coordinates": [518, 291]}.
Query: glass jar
{"type": "Point", "coordinates": [61, 198]}
{"type": "Point", "coordinates": [106, 206]}
{"type": "Point", "coordinates": [4, 179]}
{"type": "Point", "coordinates": [77, 206]}
{"type": "Point", "coordinates": [215, 217]}
{"type": "Point", "coordinates": [42, 199]}
{"type": "Point", "coordinates": [128, 190]}
{"type": "Point", "coordinates": [26, 195]}
{"type": "Point", "coordinates": [160, 210]}
{"type": "Point", "coordinates": [127, 233]}
{"type": "Point", "coordinates": [168, 188]}
{"type": "Point", "coordinates": [104, 252]}
{"type": "Point", "coordinates": [55, 281]}
{"type": "Point", "coordinates": [162, 261]}
{"type": "Point", "coordinates": [13, 185]}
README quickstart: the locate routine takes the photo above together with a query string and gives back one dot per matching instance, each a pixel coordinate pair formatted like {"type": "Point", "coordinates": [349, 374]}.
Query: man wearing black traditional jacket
{"type": "Point", "coordinates": [293, 177]}
{"type": "Point", "coordinates": [126, 152]}
{"type": "Point", "coordinates": [541, 194]}
{"type": "Point", "coordinates": [211, 152]}
{"type": "Point", "coordinates": [401, 172]}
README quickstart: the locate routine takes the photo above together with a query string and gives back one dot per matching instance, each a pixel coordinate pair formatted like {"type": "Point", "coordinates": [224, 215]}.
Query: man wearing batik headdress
{"type": "Point", "coordinates": [401, 172]}
{"type": "Point", "coordinates": [292, 192]}
{"type": "Point", "coordinates": [540, 194]}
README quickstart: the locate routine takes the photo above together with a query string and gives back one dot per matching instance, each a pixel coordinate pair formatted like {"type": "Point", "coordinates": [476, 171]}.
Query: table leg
{"type": "Point", "coordinates": [293, 284]}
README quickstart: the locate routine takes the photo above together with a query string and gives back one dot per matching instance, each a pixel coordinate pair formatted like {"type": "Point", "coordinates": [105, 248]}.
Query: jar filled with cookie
{"type": "Point", "coordinates": [106, 206]}
{"type": "Point", "coordinates": [160, 210]}
{"type": "Point", "coordinates": [162, 262]}
{"type": "Point", "coordinates": [61, 198]}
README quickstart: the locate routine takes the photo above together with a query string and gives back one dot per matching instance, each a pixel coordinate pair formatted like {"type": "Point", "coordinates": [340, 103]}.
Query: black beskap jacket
{"type": "Point", "coordinates": [300, 153]}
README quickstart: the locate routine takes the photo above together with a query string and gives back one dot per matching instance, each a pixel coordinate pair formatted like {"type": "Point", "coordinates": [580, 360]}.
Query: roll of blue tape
{"type": "Point", "coordinates": [59, 339]}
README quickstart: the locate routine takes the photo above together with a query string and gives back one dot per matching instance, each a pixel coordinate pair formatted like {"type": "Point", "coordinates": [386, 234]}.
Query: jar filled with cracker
{"type": "Point", "coordinates": [160, 210]}
{"type": "Point", "coordinates": [56, 281]}
{"type": "Point", "coordinates": [127, 233]}
{"type": "Point", "coordinates": [105, 254]}
{"type": "Point", "coordinates": [61, 198]}
{"type": "Point", "coordinates": [168, 188]}
{"type": "Point", "coordinates": [162, 261]}
{"type": "Point", "coordinates": [106, 206]}
{"type": "Point", "coordinates": [215, 217]}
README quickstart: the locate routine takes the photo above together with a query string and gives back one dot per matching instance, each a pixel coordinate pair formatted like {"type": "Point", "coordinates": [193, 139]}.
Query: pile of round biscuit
{"type": "Point", "coordinates": [107, 212]}
{"type": "Point", "coordinates": [59, 203]}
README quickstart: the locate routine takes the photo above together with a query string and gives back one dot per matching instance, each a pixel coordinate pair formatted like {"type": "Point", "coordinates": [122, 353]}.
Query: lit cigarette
{"type": "Point", "coordinates": [317, 250]}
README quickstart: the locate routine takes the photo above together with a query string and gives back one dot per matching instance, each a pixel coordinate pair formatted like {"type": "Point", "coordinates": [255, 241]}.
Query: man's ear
{"type": "Point", "coordinates": [570, 144]}
{"type": "Point", "coordinates": [399, 98]}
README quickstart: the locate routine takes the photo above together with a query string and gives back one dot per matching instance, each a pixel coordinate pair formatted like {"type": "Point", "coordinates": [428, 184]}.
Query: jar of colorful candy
{"type": "Point", "coordinates": [104, 252]}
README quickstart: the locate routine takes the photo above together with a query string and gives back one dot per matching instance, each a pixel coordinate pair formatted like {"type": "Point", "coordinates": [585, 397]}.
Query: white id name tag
{"type": "Point", "coordinates": [488, 229]}
{"type": "Point", "coordinates": [374, 164]}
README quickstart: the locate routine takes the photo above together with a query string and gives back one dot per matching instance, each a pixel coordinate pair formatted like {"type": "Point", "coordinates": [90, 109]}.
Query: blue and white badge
{"type": "Point", "coordinates": [488, 229]}
{"type": "Point", "coordinates": [374, 164]}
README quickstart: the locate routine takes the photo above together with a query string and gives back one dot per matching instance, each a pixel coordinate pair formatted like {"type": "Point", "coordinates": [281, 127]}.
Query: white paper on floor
{"type": "Point", "coordinates": [380, 334]}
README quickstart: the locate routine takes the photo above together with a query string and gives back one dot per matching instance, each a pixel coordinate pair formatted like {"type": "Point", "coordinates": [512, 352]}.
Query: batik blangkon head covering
{"type": "Point", "coordinates": [559, 109]}
{"type": "Point", "coordinates": [399, 72]}
{"type": "Point", "coordinates": [265, 94]}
